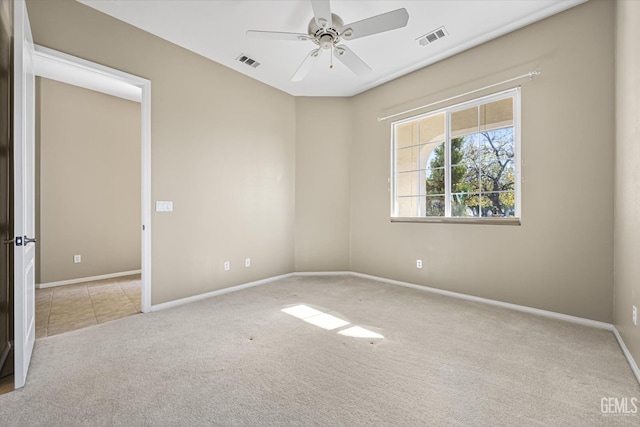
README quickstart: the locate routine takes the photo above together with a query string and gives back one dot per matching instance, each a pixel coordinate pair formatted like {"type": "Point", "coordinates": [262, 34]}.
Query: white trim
{"type": "Point", "coordinates": [517, 127]}
{"type": "Point", "coordinates": [182, 301]}
{"type": "Point", "coordinates": [145, 247]}
{"type": "Point", "coordinates": [522, 308]}
{"type": "Point", "coordinates": [321, 273]}
{"type": "Point", "coordinates": [122, 78]}
{"type": "Point", "coordinates": [86, 279]}
{"type": "Point", "coordinates": [627, 354]}
{"type": "Point", "coordinates": [516, 307]}
{"type": "Point", "coordinates": [61, 67]}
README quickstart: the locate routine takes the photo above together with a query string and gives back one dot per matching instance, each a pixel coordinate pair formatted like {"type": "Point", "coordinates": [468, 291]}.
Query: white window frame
{"type": "Point", "coordinates": [515, 220]}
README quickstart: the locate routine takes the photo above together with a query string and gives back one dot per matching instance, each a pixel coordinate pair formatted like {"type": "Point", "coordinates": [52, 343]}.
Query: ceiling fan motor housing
{"type": "Point", "coordinates": [323, 36]}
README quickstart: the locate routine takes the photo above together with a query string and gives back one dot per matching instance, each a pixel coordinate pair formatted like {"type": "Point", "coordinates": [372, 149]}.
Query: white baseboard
{"type": "Point", "coordinates": [86, 279]}
{"type": "Point", "coordinates": [627, 354]}
{"type": "Point", "coordinates": [223, 291]}
{"type": "Point", "coordinates": [522, 308]}
{"type": "Point", "coordinates": [516, 307]}
{"type": "Point", "coordinates": [321, 273]}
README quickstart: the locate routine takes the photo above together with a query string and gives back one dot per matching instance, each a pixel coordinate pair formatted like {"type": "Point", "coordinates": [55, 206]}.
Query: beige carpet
{"type": "Point", "coordinates": [239, 360]}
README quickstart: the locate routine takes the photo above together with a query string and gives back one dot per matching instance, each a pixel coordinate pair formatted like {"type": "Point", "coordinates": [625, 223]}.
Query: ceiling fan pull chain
{"type": "Point", "coordinates": [332, 47]}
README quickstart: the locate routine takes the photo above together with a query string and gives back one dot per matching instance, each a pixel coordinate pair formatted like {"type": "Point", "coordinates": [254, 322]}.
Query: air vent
{"type": "Point", "coordinates": [432, 36]}
{"type": "Point", "coordinates": [245, 59]}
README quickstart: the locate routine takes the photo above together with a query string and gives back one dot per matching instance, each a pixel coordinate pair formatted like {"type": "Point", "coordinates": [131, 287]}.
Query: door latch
{"type": "Point", "coordinates": [19, 241]}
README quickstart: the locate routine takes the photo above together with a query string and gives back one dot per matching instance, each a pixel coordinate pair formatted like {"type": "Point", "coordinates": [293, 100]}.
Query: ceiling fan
{"type": "Point", "coordinates": [327, 30]}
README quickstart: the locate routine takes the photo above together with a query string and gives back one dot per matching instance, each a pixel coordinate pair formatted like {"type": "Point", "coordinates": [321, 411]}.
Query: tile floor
{"type": "Point", "coordinates": [66, 308]}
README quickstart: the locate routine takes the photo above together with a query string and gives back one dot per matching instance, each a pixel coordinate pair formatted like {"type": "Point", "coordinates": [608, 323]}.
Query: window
{"type": "Point", "coordinates": [459, 162]}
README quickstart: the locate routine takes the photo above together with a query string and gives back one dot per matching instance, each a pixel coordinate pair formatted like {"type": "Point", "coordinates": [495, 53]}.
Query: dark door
{"type": "Point", "coordinates": [6, 188]}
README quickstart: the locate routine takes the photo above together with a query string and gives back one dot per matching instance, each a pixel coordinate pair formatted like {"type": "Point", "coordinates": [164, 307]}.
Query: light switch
{"type": "Point", "coordinates": [164, 206]}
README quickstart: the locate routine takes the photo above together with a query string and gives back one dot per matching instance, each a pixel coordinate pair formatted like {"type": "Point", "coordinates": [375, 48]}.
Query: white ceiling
{"type": "Point", "coordinates": [216, 29]}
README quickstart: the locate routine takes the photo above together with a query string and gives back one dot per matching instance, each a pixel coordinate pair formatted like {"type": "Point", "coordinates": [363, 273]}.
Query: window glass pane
{"type": "Point", "coordinates": [407, 159]}
{"type": "Point", "coordinates": [497, 145]}
{"type": "Point", "coordinates": [464, 122]}
{"type": "Point", "coordinates": [464, 179]}
{"type": "Point", "coordinates": [432, 129]}
{"type": "Point", "coordinates": [498, 204]}
{"type": "Point", "coordinates": [406, 134]}
{"type": "Point", "coordinates": [497, 160]}
{"type": "Point", "coordinates": [435, 181]}
{"type": "Point", "coordinates": [432, 155]}
{"type": "Point", "coordinates": [435, 206]}
{"type": "Point", "coordinates": [408, 206]}
{"type": "Point", "coordinates": [465, 169]}
{"type": "Point", "coordinates": [495, 115]}
{"type": "Point", "coordinates": [465, 205]}
{"type": "Point", "coordinates": [408, 184]}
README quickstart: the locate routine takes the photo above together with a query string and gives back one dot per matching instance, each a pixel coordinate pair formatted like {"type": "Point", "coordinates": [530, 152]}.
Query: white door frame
{"type": "Point", "coordinates": [60, 66]}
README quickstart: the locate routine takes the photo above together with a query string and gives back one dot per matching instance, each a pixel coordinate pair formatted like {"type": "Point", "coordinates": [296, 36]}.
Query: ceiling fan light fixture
{"type": "Point", "coordinates": [326, 41]}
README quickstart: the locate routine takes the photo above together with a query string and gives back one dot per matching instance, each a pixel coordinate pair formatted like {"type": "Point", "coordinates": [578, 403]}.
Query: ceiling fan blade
{"type": "Point", "coordinates": [275, 35]}
{"type": "Point", "coordinates": [322, 12]}
{"type": "Point", "coordinates": [351, 60]}
{"type": "Point", "coordinates": [376, 24]}
{"type": "Point", "coordinates": [306, 65]}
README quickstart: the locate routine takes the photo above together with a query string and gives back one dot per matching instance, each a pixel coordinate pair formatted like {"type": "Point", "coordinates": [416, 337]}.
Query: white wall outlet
{"type": "Point", "coordinates": [247, 262]}
{"type": "Point", "coordinates": [419, 263]}
{"type": "Point", "coordinates": [227, 265]}
{"type": "Point", "coordinates": [634, 315]}
{"type": "Point", "coordinates": [77, 259]}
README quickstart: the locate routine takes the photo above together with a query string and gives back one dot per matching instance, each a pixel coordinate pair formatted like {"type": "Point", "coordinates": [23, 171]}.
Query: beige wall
{"type": "Point", "coordinates": [230, 165]}
{"type": "Point", "coordinates": [561, 257]}
{"type": "Point", "coordinates": [222, 150]}
{"type": "Point", "coordinates": [627, 177]}
{"type": "Point", "coordinates": [89, 182]}
{"type": "Point", "coordinates": [323, 140]}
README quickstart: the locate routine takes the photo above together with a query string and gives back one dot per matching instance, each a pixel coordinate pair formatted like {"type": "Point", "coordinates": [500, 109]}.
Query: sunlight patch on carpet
{"type": "Point", "coordinates": [317, 318]}
{"type": "Point", "coordinates": [328, 321]}
{"type": "Point", "coordinates": [359, 332]}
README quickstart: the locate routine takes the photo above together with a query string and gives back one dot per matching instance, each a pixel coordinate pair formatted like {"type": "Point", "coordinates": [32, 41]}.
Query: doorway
{"type": "Point", "coordinates": [87, 207]}
{"type": "Point", "coordinates": [65, 69]}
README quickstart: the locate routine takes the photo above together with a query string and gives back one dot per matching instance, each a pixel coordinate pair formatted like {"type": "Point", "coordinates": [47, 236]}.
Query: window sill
{"type": "Point", "coordinates": [439, 220]}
